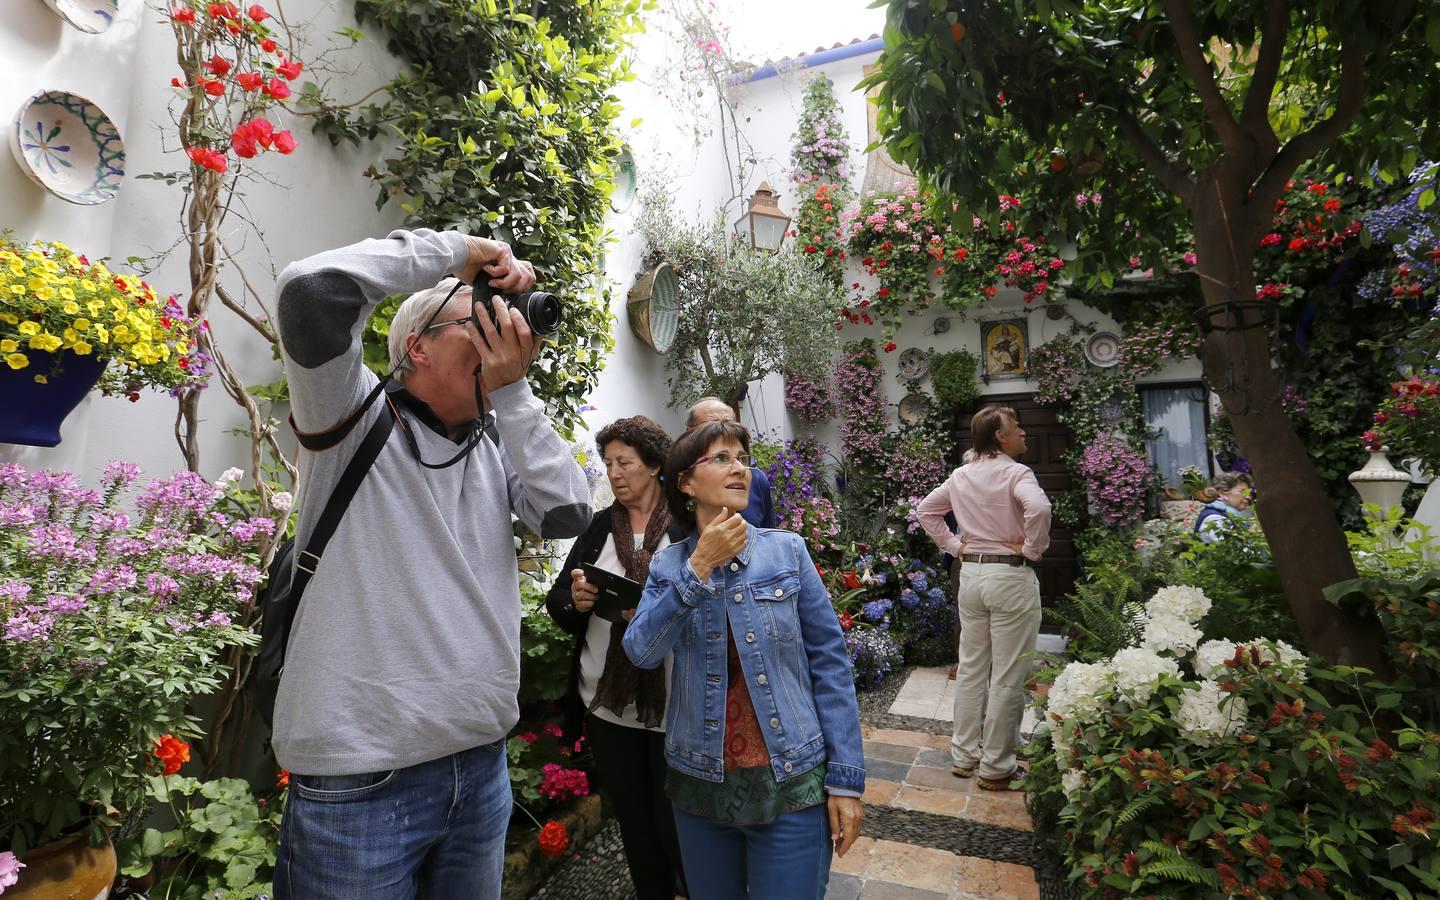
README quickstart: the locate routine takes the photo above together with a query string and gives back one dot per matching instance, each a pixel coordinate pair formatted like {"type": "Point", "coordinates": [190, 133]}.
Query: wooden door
{"type": "Point", "coordinates": [1046, 443]}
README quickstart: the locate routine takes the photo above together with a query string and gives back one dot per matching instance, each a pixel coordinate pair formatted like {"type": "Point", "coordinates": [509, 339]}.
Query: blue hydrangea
{"type": "Point", "coordinates": [873, 656]}
{"type": "Point", "coordinates": [909, 598]}
{"type": "Point", "coordinates": [880, 578]}
{"type": "Point", "coordinates": [875, 610]}
{"type": "Point", "coordinates": [920, 582]}
{"type": "Point", "coordinates": [936, 595]}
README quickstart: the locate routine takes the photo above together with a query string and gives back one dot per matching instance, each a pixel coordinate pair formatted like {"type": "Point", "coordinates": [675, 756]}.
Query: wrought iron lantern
{"type": "Point", "coordinates": [764, 224]}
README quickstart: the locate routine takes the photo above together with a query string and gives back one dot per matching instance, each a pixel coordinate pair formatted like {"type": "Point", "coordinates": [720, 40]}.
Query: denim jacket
{"type": "Point", "coordinates": [791, 650]}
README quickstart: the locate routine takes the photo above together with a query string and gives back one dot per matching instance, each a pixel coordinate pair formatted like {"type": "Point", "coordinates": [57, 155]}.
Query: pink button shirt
{"type": "Point", "coordinates": [997, 502]}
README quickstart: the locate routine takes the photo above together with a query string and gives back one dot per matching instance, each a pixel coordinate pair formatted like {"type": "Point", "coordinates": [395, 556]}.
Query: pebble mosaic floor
{"type": "Point", "coordinates": [927, 835]}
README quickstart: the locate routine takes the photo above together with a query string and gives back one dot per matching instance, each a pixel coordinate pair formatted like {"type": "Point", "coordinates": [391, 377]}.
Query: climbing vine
{"type": "Point", "coordinates": [505, 127]}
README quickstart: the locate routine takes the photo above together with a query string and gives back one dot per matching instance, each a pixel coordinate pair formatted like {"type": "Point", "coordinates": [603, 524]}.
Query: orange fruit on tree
{"type": "Point", "coordinates": [1057, 163]}
{"type": "Point", "coordinates": [957, 32]}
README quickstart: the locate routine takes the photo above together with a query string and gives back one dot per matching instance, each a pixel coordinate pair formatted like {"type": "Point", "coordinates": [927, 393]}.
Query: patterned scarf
{"type": "Point", "coordinates": [622, 683]}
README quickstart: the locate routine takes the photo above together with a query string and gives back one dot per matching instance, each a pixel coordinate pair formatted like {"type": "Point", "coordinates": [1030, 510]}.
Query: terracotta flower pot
{"type": "Point", "coordinates": [67, 869]}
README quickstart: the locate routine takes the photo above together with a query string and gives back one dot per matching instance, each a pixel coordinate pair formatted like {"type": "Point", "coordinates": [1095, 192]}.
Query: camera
{"type": "Point", "coordinates": [540, 309]}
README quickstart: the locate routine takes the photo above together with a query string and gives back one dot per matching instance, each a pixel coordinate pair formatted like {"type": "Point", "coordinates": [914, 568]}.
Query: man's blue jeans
{"type": "Point", "coordinates": [787, 859]}
{"type": "Point", "coordinates": [436, 830]}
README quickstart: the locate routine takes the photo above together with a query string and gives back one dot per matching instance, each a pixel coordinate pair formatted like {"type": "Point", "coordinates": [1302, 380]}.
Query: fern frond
{"type": "Point", "coordinates": [1135, 807]}
{"type": "Point", "coordinates": [1181, 871]}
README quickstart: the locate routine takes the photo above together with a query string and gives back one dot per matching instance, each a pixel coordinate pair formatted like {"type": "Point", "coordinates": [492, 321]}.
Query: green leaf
{"type": "Point", "coordinates": [1336, 857]}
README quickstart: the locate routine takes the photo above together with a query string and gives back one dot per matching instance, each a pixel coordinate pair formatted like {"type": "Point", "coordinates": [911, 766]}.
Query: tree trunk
{"type": "Point", "coordinates": [1306, 541]}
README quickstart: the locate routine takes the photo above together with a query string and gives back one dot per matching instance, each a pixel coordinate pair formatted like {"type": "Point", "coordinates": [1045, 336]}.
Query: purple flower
{"type": "Point", "coordinates": [61, 605]}
{"type": "Point", "coordinates": [108, 580]}
{"type": "Point", "coordinates": [26, 627]}
{"type": "Point", "coordinates": [162, 587]}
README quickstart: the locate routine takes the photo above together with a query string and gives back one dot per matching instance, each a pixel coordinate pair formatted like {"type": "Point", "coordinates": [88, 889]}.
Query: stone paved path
{"type": "Point", "coordinates": [927, 834]}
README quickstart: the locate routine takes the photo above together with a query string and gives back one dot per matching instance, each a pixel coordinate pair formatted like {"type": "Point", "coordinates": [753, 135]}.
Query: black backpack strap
{"type": "Point", "coordinates": [308, 559]}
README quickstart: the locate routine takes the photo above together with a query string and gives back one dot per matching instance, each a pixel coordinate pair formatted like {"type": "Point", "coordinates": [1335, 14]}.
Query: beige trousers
{"type": "Point", "coordinates": [999, 608]}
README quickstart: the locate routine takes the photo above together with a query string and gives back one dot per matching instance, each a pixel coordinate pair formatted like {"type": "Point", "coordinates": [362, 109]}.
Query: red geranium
{"type": "Point", "coordinates": [214, 88]}
{"type": "Point", "coordinates": [282, 780]}
{"type": "Point", "coordinates": [290, 69]}
{"type": "Point", "coordinates": [184, 15]}
{"type": "Point", "coordinates": [268, 45]}
{"type": "Point", "coordinates": [219, 66]}
{"type": "Point", "coordinates": [250, 81]}
{"type": "Point", "coordinates": [846, 623]}
{"type": "Point", "coordinates": [257, 13]}
{"type": "Point", "coordinates": [172, 753]}
{"type": "Point", "coordinates": [208, 158]}
{"type": "Point", "coordinates": [277, 89]}
{"type": "Point", "coordinates": [285, 142]}
{"type": "Point", "coordinates": [553, 839]}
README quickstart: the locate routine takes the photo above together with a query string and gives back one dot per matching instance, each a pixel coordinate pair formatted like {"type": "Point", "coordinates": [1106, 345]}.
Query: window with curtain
{"type": "Point", "coordinates": [1176, 415]}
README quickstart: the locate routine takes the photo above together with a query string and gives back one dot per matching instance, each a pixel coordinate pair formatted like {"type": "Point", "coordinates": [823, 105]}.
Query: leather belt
{"type": "Point", "coordinates": [1009, 559]}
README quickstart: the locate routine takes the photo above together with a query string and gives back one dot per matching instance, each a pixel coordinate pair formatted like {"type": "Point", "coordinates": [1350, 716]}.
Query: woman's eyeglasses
{"type": "Point", "coordinates": [724, 460]}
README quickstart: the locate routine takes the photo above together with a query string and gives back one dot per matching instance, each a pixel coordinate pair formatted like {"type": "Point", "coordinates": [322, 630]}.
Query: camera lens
{"type": "Point", "coordinates": [541, 311]}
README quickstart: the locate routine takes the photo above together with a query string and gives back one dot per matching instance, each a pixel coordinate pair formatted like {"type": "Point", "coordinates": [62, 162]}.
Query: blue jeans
{"type": "Point", "coordinates": [787, 859]}
{"type": "Point", "coordinates": [436, 830]}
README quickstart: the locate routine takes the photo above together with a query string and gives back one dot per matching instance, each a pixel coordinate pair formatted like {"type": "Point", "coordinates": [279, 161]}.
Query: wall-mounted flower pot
{"type": "Point", "coordinates": [653, 307]}
{"type": "Point", "coordinates": [65, 868]}
{"type": "Point", "coordinates": [32, 412]}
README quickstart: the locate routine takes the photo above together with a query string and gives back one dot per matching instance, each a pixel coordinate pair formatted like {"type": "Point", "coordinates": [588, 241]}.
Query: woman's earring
{"type": "Point", "coordinates": [690, 504]}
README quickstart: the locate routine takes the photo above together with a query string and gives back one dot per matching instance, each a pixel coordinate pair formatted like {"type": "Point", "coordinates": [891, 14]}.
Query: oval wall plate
{"type": "Point", "coordinates": [626, 182]}
{"type": "Point", "coordinates": [914, 363]}
{"type": "Point", "coordinates": [913, 408]}
{"type": "Point", "coordinates": [67, 145]}
{"type": "Point", "coordinates": [90, 16]}
{"type": "Point", "coordinates": [1103, 349]}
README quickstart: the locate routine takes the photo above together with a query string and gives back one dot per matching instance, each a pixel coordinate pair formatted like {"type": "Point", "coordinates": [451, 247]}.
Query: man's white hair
{"type": "Point", "coordinates": [412, 315]}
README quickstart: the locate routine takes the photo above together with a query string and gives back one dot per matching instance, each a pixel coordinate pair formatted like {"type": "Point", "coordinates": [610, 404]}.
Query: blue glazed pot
{"type": "Point", "coordinates": [31, 413]}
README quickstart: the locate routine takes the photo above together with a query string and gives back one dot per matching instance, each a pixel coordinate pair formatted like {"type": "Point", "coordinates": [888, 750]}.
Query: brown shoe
{"type": "Point", "coordinates": [952, 671]}
{"type": "Point", "coordinates": [1015, 781]}
{"type": "Point", "coordinates": [962, 771]}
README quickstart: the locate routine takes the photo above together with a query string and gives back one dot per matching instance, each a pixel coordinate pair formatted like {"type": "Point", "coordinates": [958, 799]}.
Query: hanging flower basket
{"type": "Point", "coordinates": [32, 412]}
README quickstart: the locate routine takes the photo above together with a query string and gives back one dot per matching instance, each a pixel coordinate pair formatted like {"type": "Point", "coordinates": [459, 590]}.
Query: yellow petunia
{"type": "Point", "coordinates": [41, 379]}
{"type": "Point", "coordinates": [9, 318]}
{"type": "Point", "coordinates": [82, 348]}
{"type": "Point", "coordinates": [17, 360]}
{"type": "Point", "coordinates": [46, 342]}
{"type": "Point", "coordinates": [102, 334]}
{"type": "Point", "coordinates": [81, 324]}
{"type": "Point", "coordinates": [9, 346]}
{"type": "Point", "coordinates": [29, 328]}
{"type": "Point", "coordinates": [95, 307]}
{"type": "Point", "coordinates": [70, 307]}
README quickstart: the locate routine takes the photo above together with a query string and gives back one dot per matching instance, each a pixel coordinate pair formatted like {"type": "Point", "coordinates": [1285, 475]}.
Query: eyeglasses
{"type": "Point", "coordinates": [461, 321]}
{"type": "Point", "coordinates": [724, 460]}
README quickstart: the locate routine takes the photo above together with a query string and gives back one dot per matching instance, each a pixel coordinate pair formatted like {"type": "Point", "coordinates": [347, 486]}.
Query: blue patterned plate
{"type": "Point", "coordinates": [69, 147]}
{"type": "Point", "coordinates": [90, 16]}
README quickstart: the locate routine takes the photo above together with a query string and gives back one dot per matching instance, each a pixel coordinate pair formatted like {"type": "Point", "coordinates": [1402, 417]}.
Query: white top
{"type": "Point", "coordinates": [597, 644]}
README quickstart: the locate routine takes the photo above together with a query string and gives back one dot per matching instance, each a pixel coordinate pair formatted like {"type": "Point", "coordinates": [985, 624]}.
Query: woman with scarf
{"type": "Point", "coordinates": [623, 707]}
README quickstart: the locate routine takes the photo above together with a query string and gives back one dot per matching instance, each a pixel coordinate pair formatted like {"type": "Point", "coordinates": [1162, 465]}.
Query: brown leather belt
{"type": "Point", "coordinates": [1009, 559]}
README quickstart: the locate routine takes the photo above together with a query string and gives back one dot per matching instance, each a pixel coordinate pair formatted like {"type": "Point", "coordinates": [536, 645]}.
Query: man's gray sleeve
{"type": "Point", "coordinates": [548, 489]}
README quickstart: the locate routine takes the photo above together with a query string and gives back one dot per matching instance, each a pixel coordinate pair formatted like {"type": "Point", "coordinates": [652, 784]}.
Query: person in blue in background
{"type": "Point", "coordinates": [1228, 497]}
{"type": "Point", "coordinates": [760, 511]}
{"type": "Point", "coordinates": [762, 731]}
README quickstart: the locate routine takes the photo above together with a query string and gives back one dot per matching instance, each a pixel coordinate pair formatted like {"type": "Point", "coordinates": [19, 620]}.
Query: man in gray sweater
{"type": "Point", "coordinates": [403, 663]}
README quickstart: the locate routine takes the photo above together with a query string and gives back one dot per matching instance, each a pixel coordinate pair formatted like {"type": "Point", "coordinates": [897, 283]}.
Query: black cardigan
{"type": "Point", "coordinates": [559, 605]}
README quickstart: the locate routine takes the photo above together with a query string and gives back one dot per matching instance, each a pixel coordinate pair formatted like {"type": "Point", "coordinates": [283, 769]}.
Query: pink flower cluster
{"type": "Point", "coordinates": [1117, 479]}
{"type": "Point", "coordinates": [808, 397]}
{"type": "Point", "coordinates": [862, 429]}
{"type": "Point", "coordinates": [559, 783]}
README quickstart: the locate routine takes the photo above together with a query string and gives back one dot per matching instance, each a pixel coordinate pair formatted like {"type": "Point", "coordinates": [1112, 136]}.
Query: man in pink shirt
{"type": "Point", "coordinates": [1004, 528]}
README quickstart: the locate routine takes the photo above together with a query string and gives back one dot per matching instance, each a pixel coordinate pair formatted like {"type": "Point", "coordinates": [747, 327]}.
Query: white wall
{"type": "Point", "coordinates": [318, 199]}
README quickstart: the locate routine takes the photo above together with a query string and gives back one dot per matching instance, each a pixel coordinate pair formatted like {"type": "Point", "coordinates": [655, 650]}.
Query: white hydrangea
{"type": "Point", "coordinates": [1072, 780]}
{"type": "Point", "coordinates": [1282, 654]}
{"type": "Point", "coordinates": [1210, 658]}
{"type": "Point", "coordinates": [1170, 633]}
{"type": "Point", "coordinates": [1181, 601]}
{"type": "Point", "coordinates": [1207, 714]}
{"type": "Point", "coordinates": [1138, 671]}
{"type": "Point", "coordinates": [1080, 692]}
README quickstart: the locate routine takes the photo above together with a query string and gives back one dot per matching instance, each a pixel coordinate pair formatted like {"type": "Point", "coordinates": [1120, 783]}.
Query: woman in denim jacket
{"type": "Point", "coordinates": [762, 731]}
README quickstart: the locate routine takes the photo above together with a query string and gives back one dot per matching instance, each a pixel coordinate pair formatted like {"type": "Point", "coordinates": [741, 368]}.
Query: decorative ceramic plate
{"type": "Point", "coordinates": [914, 363]}
{"type": "Point", "coordinates": [1103, 349]}
{"type": "Point", "coordinates": [90, 16]}
{"type": "Point", "coordinates": [913, 408]}
{"type": "Point", "coordinates": [625, 182]}
{"type": "Point", "coordinates": [942, 325]}
{"type": "Point", "coordinates": [68, 146]}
